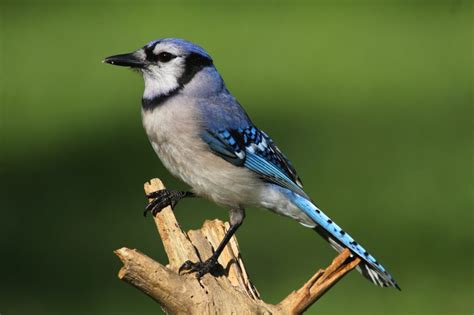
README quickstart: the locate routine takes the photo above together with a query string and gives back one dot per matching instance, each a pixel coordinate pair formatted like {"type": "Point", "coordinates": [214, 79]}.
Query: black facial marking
{"type": "Point", "coordinates": [150, 56]}
{"type": "Point", "coordinates": [193, 64]}
{"type": "Point", "coordinates": [149, 104]}
{"type": "Point", "coordinates": [165, 56]}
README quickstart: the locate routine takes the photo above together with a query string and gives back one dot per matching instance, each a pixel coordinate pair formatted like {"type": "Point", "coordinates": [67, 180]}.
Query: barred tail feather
{"type": "Point", "coordinates": [372, 273]}
{"type": "Point", "coordinates": [339, 239]}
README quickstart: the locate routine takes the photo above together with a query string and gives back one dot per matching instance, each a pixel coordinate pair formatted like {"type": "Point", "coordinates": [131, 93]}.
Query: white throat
{"type": "Point", "coordinates": [162, 82]}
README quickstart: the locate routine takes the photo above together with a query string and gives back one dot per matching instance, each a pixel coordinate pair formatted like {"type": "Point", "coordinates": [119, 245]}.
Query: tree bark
{"type": "Point", "coordinates": [230, 293]}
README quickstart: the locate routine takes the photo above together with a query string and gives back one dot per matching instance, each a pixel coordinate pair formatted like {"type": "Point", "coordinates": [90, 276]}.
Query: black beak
{"type": "Point", "coordinates": [125, 60]}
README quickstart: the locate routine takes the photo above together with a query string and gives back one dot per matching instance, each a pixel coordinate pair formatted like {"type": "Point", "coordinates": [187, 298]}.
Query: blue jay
{"type": "Point", "coordinates": [204, 137]}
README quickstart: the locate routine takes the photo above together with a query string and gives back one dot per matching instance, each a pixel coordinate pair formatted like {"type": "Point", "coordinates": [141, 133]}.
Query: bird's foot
{"type": "Point", "coordinates": [164, 198]}
{"type": "Point", "coordinates": [201, 268]}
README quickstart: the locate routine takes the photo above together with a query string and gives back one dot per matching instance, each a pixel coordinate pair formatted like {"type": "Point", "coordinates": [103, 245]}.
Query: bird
{"type": "Point", "coordinates": [204, 137]}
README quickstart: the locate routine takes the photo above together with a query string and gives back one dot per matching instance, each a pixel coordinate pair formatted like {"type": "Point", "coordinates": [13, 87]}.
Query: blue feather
{"type": "Point", "coordinates": [253, 149]}
{"type": "Point", "coordinates": [270, 172]}
{"type": "Point", "coordinates": [220, 147]}
{"type": "Point", "coordinates": [370, 268]}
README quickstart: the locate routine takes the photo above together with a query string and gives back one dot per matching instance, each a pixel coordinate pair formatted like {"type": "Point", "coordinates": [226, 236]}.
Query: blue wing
{"type": "Point", "coordinates": [252, 148]}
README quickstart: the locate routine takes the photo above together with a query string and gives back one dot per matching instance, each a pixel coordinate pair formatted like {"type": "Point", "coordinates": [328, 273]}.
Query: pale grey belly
{"type": "Point", "coordinates": [209, 175]}
{"type": "Point", "coordinates": [218, 180]}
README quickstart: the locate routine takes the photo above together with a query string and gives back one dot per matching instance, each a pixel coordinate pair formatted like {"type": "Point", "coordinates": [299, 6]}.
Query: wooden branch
{"type": "Point", "coordinates": [231, 293]}
{"type": "Point", "coordinates": [299, 301]}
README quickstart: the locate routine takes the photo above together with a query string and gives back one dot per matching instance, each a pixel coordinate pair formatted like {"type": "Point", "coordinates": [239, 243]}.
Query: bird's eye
{"type": "Point", "coordinates": [165, 56]}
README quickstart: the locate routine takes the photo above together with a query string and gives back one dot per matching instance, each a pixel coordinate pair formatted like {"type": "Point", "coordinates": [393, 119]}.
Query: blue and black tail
{"type": "Point", "coordinates": [339, 239]}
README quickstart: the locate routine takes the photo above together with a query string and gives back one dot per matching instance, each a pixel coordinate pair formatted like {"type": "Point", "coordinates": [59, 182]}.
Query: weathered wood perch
{"type": "Point", "coordinates": [231, 293]}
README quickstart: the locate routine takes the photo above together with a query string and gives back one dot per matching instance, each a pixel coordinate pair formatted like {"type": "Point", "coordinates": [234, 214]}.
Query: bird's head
{"type": "Point", "coordinates": [167, 65]}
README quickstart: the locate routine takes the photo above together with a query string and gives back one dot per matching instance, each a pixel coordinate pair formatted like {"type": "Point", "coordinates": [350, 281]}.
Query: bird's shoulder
{"type": "Point", "coordinates": [230, 134]}
{"type": "Point", "coordinates": [222, 111]}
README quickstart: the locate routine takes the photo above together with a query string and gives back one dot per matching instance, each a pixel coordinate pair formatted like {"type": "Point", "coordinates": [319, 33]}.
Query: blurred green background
{"type": "Point", "coordinates": [372, 102]}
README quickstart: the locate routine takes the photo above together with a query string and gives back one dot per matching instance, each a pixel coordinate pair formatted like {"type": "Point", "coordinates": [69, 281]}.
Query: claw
{"type": "Point", "coordinates": [202, 268]}
{"type": "Point", "coordinates": [155, 194]}
{"type": "Point", "coordinates": [187, 267]}
{"type": "Point", "coordinates": [164, 198]}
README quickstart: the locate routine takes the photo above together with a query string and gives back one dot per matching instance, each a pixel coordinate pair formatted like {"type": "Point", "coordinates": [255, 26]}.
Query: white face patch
{"type": "Point", "coordinates": [162, 77]}
{"type": "Point", "coordinates": [161, 80]}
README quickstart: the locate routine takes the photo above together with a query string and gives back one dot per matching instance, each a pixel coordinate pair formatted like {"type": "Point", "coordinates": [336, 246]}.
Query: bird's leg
{"type": "Point", "coordinates": [163, 198]}
{"type": "Point", "coordinates": [211, 265]}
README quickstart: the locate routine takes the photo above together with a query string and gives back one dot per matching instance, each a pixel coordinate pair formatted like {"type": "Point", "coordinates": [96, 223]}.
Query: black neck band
{"type": "Point", "coordinates": [193, 64]}
{"type": "Point", "coordinates": [149, 104]}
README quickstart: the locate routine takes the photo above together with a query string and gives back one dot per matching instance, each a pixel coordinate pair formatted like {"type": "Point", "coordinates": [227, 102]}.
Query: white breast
{"type": "Point", "coordinates": [173, 129]}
